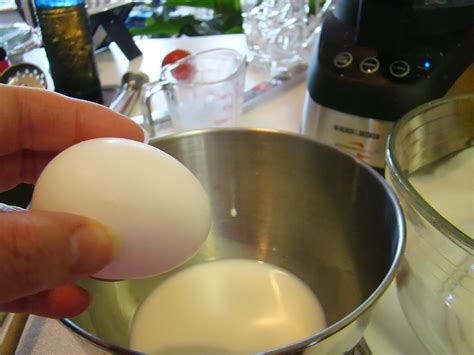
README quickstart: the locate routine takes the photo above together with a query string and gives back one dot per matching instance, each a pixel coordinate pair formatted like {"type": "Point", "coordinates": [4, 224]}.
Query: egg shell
{"type": "Point", "coordinates": [153, 205]}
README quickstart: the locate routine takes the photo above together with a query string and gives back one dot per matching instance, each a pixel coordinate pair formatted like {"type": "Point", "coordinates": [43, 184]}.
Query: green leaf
{"type": "Point", "coordinates": [235, 29]}
{"type": "Point", "coordinates": [150, 21]}
{"type": "Point", "coordinates": [194, 3]}
{"type": "Point", "coordinates": [157, 28]}
{"type": "Point", "coordinates": [228, 7]}
{"type": "Point", "coordinates": [227, 19]}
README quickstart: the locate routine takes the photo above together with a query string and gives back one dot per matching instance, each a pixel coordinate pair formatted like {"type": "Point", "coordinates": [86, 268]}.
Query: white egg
{"type": "Point", "coordinates": [154, 205]}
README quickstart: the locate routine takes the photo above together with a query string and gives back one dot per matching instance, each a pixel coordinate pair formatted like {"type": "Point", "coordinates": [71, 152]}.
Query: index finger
{"type": "Point", "coordinates": [40, 120]}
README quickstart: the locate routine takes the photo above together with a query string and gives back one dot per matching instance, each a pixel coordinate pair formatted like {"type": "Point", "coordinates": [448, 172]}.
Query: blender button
{"type": "Point", "coordinates": [369, 65]}
{"type": "Point", "coordinates": [399, 68]}
{"type": "Point", "coordinates": [343, 59]}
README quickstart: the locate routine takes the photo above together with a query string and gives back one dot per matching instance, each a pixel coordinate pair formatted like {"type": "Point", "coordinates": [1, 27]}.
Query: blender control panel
{"type": "Point", "coordinates": [384, 82]}
{"type": "Point", "coordinates": [403, 68]}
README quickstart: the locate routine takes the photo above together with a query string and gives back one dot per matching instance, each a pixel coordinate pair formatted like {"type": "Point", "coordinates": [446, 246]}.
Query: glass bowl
{"type": "Point", "coordinates": [435, 283]}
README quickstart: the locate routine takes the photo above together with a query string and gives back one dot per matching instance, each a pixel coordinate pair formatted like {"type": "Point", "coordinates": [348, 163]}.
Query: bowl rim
{"type": "Point", "coordinates": [356, 313]}
{"type": "Point", "coordinates": [421, 205]}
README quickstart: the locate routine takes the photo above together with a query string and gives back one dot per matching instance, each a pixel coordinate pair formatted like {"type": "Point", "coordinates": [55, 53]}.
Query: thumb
{"type": "Point", "coordinates": [42, 250]}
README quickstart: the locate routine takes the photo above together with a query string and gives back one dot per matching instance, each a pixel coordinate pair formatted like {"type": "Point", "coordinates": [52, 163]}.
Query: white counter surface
{"type": "Point", "coordinates": [388, 332]}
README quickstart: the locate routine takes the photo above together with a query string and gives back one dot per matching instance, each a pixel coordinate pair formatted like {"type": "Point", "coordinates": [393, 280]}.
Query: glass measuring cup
{"type": "Point", "coordinates": [202, 90]}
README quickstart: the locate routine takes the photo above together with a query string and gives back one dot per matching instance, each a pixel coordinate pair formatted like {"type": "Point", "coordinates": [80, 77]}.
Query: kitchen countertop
{"type": "Point", "coordinates": [388, 331]}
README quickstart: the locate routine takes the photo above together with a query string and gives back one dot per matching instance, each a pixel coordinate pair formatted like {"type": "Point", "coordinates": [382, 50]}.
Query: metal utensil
{"type": "Point", "coordinates": [19, 38]}
{"type": "Point", "coordinates": [24, 74]}
{"type": "Point", "coordinates": [129, 92]}
{"type": "Point", "coordinates": [278, 84]}
{"type": "Point", "coordinates": [14, 324]}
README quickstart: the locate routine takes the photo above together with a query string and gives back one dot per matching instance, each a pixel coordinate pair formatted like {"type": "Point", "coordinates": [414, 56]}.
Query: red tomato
{"type": "Point", "coordinates": [174, 56]}
{"type": "Point", "coordinates": [182, 72]}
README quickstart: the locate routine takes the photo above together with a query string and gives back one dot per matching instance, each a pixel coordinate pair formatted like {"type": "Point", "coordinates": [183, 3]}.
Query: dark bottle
{"type": "Point", "coordinates": [68, 43]}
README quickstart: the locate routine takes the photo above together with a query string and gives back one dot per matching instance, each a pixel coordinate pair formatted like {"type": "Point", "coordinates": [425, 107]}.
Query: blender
{"type": "Point", "coordinates": [375, 60]}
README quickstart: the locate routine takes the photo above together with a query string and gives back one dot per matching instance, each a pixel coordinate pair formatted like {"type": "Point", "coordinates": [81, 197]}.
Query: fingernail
{"type": "Point", "coordinates": [92, 248]}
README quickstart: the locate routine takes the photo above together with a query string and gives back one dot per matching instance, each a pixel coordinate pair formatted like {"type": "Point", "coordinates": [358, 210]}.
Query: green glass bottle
{"type": "Point", "coordinates": [68, 43]}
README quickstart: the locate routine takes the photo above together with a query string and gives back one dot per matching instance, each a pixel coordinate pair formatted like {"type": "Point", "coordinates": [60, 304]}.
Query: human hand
{"type": "Point", "coordinates": [41, 253]}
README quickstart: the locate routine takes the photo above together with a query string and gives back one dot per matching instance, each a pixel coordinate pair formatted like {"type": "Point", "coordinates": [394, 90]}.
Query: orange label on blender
{"type": "Point", "coordinates": [365, 138]}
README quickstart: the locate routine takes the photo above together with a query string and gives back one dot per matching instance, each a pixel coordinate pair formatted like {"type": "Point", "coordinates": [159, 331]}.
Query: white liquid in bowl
{"type": "Point", "coordinates": [449, 188]}
{"type": "Point", "coordinates": [436, 285]}
{"type": "Point", "coordinates": [227, 306]}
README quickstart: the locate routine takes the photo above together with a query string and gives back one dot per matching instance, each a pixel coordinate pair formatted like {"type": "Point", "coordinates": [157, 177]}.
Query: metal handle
{"type": "Point", "coordinates": [129, 92]}
{"type": "Point", "coordinates": [148, 91]}
{"type": "Point", "coordinates": [13, 332]}
{"type": "Point", "coordinates": [16, 324]}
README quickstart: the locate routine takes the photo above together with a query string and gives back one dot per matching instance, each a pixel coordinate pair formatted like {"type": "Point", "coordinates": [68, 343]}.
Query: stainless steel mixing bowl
{"type": "Point", "coordinates": [286, 200]}
{"type": "Point", "coordinates": [436, 283]}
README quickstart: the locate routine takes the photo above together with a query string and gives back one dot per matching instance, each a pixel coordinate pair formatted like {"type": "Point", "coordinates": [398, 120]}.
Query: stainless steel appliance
{"type": "Point", "coordinates": [377, 59]}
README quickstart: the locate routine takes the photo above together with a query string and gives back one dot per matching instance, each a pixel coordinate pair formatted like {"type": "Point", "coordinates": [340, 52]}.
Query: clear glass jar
{"type": "Point", "coordinates": [435, 284]}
